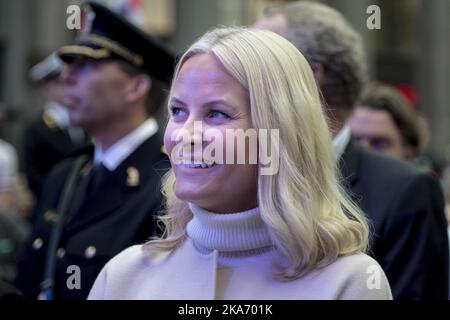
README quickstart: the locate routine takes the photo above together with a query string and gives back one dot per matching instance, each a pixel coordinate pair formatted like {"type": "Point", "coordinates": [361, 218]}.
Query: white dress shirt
{"type": "Point", "coordinates": [118, 152]}
{"type": "Point", "coordinates": [341, 141]}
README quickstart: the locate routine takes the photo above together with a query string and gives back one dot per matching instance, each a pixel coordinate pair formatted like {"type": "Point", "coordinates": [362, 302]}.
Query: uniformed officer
{"type": "Point", "coordinates": [49, 138]}
{"type": "Point", "coordinates": [98, 203]}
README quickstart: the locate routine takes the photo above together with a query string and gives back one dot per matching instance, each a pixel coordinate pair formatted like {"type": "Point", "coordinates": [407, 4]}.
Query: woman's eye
{"type": "Point", "coordinates": [177, 112]}
{"type": "Point", "coordinates": [174, 110]}
{"type": "Point", "coordinates": [215, 114]}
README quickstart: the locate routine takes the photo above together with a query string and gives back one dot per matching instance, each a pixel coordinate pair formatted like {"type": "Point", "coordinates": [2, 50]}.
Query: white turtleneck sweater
{"type": "Point", "coordinates": [229, 256]}
{"type": "Point", "coordinates": [233, 235]}
{"type": "Point", "coordinates": [240, 239]}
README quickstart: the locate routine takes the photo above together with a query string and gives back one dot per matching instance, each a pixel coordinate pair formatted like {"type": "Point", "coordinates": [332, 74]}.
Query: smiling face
{"type": "Point", "coordinates": [204, 92]}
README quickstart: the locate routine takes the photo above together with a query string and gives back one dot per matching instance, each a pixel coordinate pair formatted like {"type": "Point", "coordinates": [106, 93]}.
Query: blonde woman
{"type": "Point", "coordinates": [232, 232]}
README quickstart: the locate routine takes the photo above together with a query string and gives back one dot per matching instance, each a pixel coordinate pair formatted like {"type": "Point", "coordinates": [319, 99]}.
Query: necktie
{"type": "Point", "coordinates": [98, 175]}
{"type": "Point", "coordinates": [87, 186]}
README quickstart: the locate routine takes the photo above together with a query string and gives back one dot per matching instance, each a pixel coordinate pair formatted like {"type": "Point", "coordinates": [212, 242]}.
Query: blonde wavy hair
{"type": "Point", "coordinates": [310, 219]}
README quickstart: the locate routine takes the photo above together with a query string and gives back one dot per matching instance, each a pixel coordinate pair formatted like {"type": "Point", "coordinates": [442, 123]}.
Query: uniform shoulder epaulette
{"type": "Point", "coordinates": [49, 121]}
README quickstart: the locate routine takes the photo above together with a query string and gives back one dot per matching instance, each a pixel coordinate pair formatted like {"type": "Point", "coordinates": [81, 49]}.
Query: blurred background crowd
{"type": "Point", "coordinates": [404, 111]}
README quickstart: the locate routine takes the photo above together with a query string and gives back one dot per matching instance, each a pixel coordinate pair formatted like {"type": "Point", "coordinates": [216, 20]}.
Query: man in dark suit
{"type": "Point", "coordinates": [105, 198]}
{"type": "Point", "coordinates": [404, 205]}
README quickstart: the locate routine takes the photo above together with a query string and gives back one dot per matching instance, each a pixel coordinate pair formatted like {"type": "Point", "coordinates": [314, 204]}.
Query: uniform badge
{"type": "Point", "coordinates": [133, 177]}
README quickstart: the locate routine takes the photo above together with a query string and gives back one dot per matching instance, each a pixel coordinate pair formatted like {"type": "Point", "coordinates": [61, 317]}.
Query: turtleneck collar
{"type": "Point", "coordinates": [238, 233]}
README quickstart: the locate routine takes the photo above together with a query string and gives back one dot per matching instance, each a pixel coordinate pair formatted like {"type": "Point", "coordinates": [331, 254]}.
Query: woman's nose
{"type": "Point", "coordinates": [191, 132]}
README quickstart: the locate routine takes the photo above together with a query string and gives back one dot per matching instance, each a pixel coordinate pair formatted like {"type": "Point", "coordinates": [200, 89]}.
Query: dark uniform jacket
{"type": "Point", "coordinates": [406, 210]}
{"type": "Point", "coordinates": [44, 145]}
{"type": "Point", "coordinates": [119, 213]}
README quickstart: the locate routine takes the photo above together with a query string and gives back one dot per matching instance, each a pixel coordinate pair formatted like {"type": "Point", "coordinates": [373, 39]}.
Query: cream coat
{"type": "Point", "coordinates": [187, 274]}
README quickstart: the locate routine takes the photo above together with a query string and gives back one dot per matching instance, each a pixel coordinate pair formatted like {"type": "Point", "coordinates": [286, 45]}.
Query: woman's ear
{"type": "Point", "coordinates": [319, 73]}
{"type": "Point", "coordinates": [138, 87]}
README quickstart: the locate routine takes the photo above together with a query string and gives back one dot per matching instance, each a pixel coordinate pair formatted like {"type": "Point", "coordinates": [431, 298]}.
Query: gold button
{"type": "Point", "coordinates": [50, 216]}
{"type": "Point", "coordinates": [90, 252]}
{"type": "Point", "coordinates": [60, 253]}
{"type": "Point", "coordinates": [37, 243]}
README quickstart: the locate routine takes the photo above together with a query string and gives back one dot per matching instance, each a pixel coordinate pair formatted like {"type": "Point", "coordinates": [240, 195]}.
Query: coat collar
{"type": "Point", "coordinates": [192, 273]}
{"type": "Point", "coordinates": [127, 179]}
{"type": "Point", "coordinates": [119, 151]}
{"type": "Point", "coordinates": [349, 165]}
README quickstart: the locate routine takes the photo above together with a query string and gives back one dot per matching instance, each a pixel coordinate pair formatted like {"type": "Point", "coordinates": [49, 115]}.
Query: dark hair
{"type": "Point", "coordinates": [325, 37]}
{"type": "Point", "coordinates": [384, 97]}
